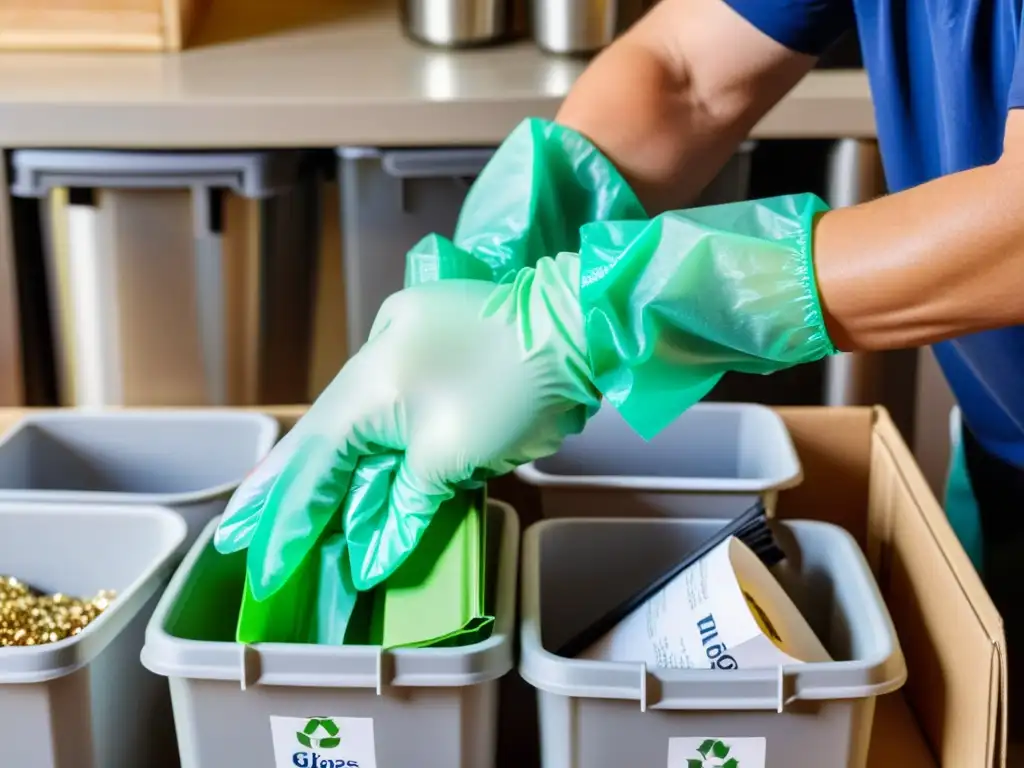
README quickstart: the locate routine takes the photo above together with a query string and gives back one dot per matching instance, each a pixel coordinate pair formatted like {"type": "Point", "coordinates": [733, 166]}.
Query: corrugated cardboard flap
{"type": "Point", "coordinates": [951, 633]}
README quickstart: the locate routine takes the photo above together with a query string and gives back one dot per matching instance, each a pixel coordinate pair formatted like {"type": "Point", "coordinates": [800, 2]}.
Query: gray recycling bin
{"type": "Point", "coordinates": [284, 183]}
{"type": "Point", "coordinates": [189, 461]}
{"type": "Point", "coordinates": [391, 199]}
{"type": "Point", "coordinates": [603, 714]}
{"type": "Point", "coordinates": [240, 705]}
{"type": "Point", "coordinates": [86, 701]}
{"type": "Point", "coordinates": [714, 461]}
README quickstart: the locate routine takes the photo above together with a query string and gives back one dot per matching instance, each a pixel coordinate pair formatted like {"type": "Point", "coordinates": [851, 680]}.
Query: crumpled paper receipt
{"type": "Point", "coordinates": [726, 611]}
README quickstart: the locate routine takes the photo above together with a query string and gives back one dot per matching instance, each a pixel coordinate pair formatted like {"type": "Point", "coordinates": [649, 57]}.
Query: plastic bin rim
{"type": "Point", "coordinates": [174, 657]}
{"type": "Point", "coordinates": [531, 473]}
{"type": "Point", "coordinates": [421, 162]}
{"type": "Point", "coordinates": [268, 436]}
{"type": "Point", "coordinates": [350, 152]}
{"type": "Point", "coordinates": [62, 658]}
{"type": "Point", "coordinates": [358, 153]}
{"type": "Point", "coordinates": [253, 174]}
{"type": "Point", "coordinates": [887, 670]}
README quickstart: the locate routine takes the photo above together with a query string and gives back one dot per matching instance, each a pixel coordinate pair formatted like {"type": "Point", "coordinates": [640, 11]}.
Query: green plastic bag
{"type": "Point", "coordinates": [314, 606]}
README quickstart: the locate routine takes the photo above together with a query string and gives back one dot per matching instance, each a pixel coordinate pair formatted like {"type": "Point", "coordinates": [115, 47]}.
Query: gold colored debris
{"type": "Point", "coordinates": [29, 617]}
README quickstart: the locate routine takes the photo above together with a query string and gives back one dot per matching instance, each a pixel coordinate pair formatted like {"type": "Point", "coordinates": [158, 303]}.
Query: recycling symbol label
{"type": "Point", "coordinates": [307, 737]}
{"type": "Point", "coordinates": [713, 754]}
{"type": "Point", "coordinates": [717, 752]}
{"type": "Point", "coordinates": [323, 741]}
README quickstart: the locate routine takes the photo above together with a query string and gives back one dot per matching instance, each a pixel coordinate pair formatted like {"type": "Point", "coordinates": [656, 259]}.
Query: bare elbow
{"type": "Point", "coordinates": [730, 92]}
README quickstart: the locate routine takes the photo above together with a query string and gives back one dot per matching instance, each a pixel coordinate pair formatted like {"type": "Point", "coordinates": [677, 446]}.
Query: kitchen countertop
{"type": "Point", "coordinates": [324, 73]}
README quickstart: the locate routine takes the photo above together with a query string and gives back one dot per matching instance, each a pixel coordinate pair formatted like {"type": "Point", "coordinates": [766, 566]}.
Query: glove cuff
{"type": "Point", "coordinates": [672, 304]}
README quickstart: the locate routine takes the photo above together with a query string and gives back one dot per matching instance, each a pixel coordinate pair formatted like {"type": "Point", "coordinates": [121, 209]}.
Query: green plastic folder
{"type": "Point", "coordinates": [438, 597]}
{"type": "Point", "coordinates": [314, 606]}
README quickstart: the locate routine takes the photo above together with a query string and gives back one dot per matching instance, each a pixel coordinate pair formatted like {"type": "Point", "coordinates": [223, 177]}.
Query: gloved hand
{"type": "Point", "coordinates": [542, 184]}
{"type": "Point", "coordinates": [464, 378]}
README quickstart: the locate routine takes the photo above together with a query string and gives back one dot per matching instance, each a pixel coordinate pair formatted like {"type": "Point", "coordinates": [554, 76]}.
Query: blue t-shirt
{"type": "Point", "coordinates": [943, 74]}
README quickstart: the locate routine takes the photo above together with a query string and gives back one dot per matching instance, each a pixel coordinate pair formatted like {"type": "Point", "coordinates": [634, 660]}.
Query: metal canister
{"type": "Point", "coordinates": [459, 23]}
{"type": "Point", "coordinates": [582, 27]}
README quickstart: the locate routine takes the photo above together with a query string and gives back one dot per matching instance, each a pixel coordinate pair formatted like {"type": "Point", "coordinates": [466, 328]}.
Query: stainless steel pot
{"type": "Point", "coordinates": [583, 26]}
{"type": "Point", "coordinates": [459, 23]}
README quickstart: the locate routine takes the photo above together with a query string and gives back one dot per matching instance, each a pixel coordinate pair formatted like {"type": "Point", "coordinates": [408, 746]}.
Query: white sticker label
{"type": "Point", "coordinates": [715, 615]}
{"type": "Point", "coordinates": [716, 752]}
{"type": "Point", "coordinates": [323, 742]}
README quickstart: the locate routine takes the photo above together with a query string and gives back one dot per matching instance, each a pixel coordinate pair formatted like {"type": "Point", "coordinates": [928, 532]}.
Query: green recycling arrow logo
{"type": "Point", "coordinates": [305, 737]}
{"type": "Point", "coordinates": [713, 754]}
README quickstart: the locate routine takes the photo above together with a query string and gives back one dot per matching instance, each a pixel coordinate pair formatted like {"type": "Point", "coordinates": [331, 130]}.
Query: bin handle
{"type": "Point", "coordinates": [434, 163]}
{"type": "Point", "coordinates": [248, 665]}
{"type": "Point", "coordinates": [643, 687]}
{"type": "Point", "coordinates": [780, 702]}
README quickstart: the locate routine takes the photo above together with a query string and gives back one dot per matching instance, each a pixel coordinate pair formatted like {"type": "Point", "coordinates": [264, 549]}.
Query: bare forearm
{"type": "Point", "coordinates": [941, 260]}
{"type": "Point", "coordinates": [645, 119]}
{"type": "Point", "coordinates": [667, 108]}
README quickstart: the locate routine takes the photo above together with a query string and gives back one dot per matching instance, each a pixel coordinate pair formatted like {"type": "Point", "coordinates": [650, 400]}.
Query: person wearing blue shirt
{"type": "Point", "coordinates": [578, 273]}
{"type": "Point", "coordinates": [673, 98]}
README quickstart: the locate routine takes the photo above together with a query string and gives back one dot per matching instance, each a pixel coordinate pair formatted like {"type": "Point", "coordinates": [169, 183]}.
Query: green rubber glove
{"type": "Point", "coordinates": [463, 379]}
{"type": "Point", "coordinates": [542, 184]}
{"type": "Point", "coordinates": [672, 304]}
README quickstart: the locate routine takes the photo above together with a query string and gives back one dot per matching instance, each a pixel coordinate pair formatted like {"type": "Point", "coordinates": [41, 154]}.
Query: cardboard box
{"type": "Point", "coordinates": [860, 474]}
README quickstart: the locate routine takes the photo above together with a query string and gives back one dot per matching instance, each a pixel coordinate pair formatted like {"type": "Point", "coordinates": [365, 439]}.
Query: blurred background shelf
{"type": "Point", "coordinates": [327, 74]}
{"type": "Point", "coordinates": [261, 73]}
